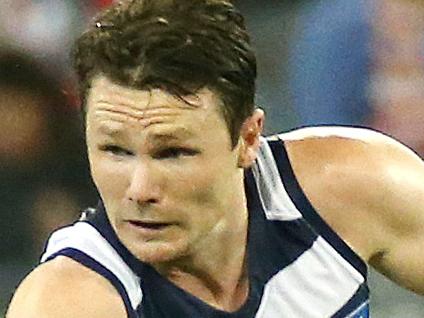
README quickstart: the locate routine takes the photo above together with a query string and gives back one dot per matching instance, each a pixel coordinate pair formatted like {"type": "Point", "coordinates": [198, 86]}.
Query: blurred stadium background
{"type": "Point", "coordinates": [350, 62]}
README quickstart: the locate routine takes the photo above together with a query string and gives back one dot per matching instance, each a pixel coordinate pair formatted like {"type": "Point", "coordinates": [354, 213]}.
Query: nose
{"type": "Point", "coordinates": [143, 189]}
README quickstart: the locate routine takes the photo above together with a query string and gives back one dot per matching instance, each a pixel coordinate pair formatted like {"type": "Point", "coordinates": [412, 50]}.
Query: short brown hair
{"type": "Point", "coordinates": [180, 46]}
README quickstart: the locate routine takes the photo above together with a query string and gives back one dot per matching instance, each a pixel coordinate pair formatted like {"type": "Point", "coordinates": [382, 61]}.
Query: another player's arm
{"type": "Point", "coordinates": [63, 288]}
{"type": "Point", "coordinates": [371, 192]}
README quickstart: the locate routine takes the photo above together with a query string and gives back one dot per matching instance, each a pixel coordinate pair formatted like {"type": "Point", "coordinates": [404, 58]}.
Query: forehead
{"type": "Point", "coordinates": [112, 107]}
{"type": "Point", "coordinates": [104, 90]}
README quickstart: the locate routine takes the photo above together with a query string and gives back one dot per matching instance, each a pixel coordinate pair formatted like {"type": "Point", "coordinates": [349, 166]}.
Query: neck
{"type": "Point", "coordinates": [216, 272]}
{"type": "Point", "coordinates": [224, 287]}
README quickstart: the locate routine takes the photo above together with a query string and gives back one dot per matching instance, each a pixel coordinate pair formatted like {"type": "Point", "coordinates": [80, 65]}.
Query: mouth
{"type": "Point", "coordinates": [153, 226]}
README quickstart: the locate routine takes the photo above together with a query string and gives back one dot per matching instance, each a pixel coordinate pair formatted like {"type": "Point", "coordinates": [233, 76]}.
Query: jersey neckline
{"type": "Point", "coordinates": [146, 272]}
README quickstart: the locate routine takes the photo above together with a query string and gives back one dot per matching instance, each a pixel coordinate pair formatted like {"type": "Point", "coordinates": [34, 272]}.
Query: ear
{"type": "Point", "coordinates": [250, 132]}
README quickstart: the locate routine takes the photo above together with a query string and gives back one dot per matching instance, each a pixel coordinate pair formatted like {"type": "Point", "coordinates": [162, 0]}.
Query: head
{"type": "Point", "coordinates": [168, 88]}
{"type": "Point", "coordinates": [180, 46]}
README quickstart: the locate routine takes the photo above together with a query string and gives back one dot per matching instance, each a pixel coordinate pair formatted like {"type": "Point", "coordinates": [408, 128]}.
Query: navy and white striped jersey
{"type": "Point", "coordinates": [298, 266]}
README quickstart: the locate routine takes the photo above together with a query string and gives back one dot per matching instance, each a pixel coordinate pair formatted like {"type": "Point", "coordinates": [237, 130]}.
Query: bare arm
{"type": "Point", "coordinates": [401, 255]}
{"type": "Point", "coordinates": [63, 288]}
{"type": "Point", "coordinates": [371, 192]}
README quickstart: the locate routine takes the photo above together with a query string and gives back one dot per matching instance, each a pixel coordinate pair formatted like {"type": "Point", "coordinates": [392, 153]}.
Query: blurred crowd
{"type": "Point", "coordinates": [326, 62]}
{"type": "Point", "coordinates": [45, 179]}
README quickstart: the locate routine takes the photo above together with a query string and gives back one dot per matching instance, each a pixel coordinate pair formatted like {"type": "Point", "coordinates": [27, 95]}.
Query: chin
{"type": "Point", "coordinates": [158, 252]}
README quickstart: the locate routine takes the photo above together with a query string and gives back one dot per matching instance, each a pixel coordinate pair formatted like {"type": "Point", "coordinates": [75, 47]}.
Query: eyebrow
{"type": "Point", "coordinates": [175, 134]}
{"type": "Point", "coordinates": [171, 135]}
{"type": "Point", "coordinates": [109, 130]}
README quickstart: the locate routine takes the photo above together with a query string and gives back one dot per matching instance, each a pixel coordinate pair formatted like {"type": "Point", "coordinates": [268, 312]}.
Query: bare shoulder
{"type": "Point", "coordinates": [328, 134]}
{"type": "Point", "coordinates": [355, 178]}
{"type": "Point", "coordinates": [65, 288]}
{"type": "Point", "coordinates": [351, 152]}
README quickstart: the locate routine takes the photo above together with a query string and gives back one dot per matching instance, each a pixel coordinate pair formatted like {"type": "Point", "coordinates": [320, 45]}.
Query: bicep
{"type": "Point", "coordinates": [401, 209]}
{"type": "Point", "coordinates": [62, 293]}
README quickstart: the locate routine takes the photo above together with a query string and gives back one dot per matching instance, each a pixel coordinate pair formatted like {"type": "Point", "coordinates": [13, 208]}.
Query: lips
{"type": "Point", "coordinates": [149, 225]}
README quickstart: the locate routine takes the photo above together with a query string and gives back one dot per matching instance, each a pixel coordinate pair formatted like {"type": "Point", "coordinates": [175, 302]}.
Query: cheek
{"type": "Point", "coordinates": [200, 184]}
{"type": "Point", "coordinates": [110, 178]}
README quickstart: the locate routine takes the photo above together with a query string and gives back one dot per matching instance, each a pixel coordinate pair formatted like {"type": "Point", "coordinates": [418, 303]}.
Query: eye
{"type": "Point", "coordinates": [116, 150]}
{"type": "Point", "coordinates": [174, 152]}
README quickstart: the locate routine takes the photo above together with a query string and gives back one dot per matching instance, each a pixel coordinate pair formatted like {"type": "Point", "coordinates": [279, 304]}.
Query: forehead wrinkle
{"type": "Point", "coordinates": [119, 109]}
{"type": "Point", "coordinates": [116, 100]}
{"type": "Point", "coordinates": [109, 92]}
{"type": "Point", "coordinates": [156, 136]}
{"type": "Point", "coordinates": [111, 122]}
{"type": "Point", "coordinates": [121, 114]}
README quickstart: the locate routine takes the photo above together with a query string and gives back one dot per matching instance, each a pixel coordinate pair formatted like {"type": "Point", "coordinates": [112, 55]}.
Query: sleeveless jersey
{"type": "Point", "coordinates": [298, 266]}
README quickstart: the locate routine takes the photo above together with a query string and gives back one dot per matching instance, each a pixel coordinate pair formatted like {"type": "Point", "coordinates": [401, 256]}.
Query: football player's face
{"type": "Point", "coordinates": [164, 168]}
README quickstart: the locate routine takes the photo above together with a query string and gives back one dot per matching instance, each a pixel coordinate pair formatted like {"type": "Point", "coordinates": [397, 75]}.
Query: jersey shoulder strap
{"type": "Point", "coordinates": [83, 243]}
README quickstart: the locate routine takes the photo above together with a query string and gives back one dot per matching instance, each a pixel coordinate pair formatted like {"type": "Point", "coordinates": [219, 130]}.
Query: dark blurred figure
{"type": "Point", "coordinates": [44, 176]}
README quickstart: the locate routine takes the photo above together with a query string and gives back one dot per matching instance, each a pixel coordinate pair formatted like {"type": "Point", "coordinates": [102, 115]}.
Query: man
{"type": "Point", "coordinates": [201, 216]}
